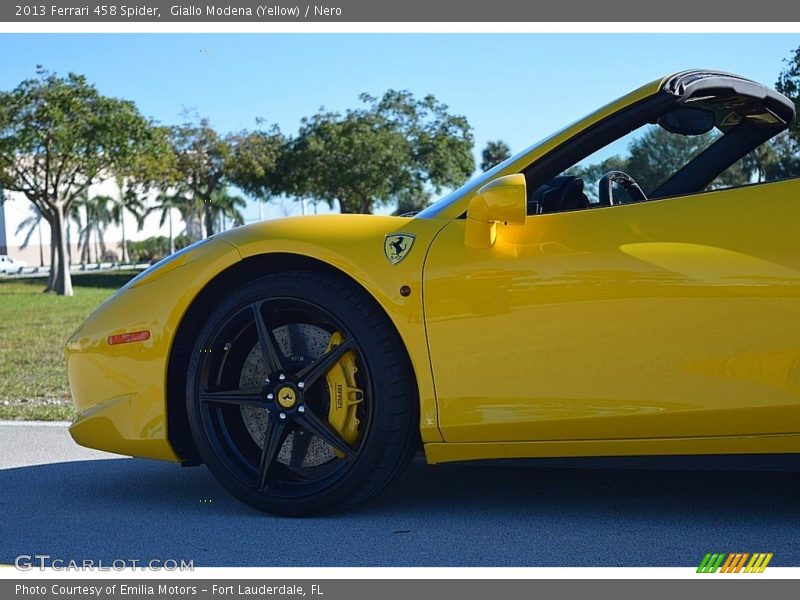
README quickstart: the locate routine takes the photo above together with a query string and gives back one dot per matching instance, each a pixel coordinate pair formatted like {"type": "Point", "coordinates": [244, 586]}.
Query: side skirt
{"type": "Point", "coordinates": [748, 452]}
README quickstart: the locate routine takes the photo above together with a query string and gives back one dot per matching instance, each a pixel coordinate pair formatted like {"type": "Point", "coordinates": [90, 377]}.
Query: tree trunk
{"type": "Point", "coordinates": [69, 242]}
{"type": "Point", "coordinates": [51, 278]}
{"type": "Point", "coordinates": [194, 223]}
{"type": "Point", "coordinates": [102, 242]}
{"type": "Point", "coordinates": [209, 219]}
{"type": "Point", "coordinates": [124, 243]}
{"type": "Point", "coordinates": [41, 246]}
{"type": "Point", "coordinates": [63, 285]}
{"type": "Point", "coordinates": [88, 246]}
{"type": "Point", "coordinates": [344, 207]}
{"type": "Point", "coordinates": [171, 237]}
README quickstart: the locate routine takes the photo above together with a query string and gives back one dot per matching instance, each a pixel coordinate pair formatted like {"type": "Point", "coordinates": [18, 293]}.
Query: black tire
{"type": "Point", "coordinates": [301, 464]}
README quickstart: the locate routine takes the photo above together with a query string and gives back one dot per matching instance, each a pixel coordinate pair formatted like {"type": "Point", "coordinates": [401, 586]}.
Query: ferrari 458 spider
{"type": "Point", "coordinates": [535, 312]}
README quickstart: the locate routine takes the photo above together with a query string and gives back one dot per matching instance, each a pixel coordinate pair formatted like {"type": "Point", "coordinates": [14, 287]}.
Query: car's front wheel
{"type": "Point", "coordinates": [300, 396]}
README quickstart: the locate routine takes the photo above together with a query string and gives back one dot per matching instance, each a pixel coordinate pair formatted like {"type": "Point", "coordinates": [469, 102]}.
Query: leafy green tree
{"type": "Point", "coordinates": [494, 153]}
{"type": "Point", "coordinates": [788, 84]}
{"type": "Point", "coordinates": [658, 154]}
{"type": "Point", "coordinates": [411, 201]}
{"type": "Point", "coordinates": [440, 143]}
{"type": "Point", "coordinates": [353, 160]}
{"type": "Point", "coordinates": [59, 136]}
{"type": "Point", "coordinates": [784, 159]}
{"type": "Point", "coordinates": [786, 148]}
{"type": "Point", "coordinates": [368, 156]}
{"type": "Point", "coordinates": [655, 156]}
{"type": "Point", "coordinates": [204, 160]}
{"type": "Point", "coordinates": [254, 163]}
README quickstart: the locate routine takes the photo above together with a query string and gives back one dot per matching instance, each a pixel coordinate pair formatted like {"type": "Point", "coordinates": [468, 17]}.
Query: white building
{"type": "Point", "coordinates": [18, 222]}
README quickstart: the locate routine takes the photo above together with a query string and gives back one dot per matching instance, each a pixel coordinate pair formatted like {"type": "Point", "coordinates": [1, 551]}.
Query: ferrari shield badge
{"type": "Point", "coordinates": [397, 245]}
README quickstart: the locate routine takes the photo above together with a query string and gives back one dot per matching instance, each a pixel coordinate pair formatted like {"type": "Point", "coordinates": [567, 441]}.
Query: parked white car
{"type": "Point", "coordinates": [9, 264]}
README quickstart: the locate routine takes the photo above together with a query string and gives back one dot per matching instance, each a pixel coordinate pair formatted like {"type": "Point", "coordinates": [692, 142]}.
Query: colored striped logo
{"type": "Point", "coordinates": [734, 562]}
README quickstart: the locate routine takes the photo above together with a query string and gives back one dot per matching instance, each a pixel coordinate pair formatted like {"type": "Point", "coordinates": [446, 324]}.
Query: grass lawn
{"type": "Point", "coordinates": [33, 330]}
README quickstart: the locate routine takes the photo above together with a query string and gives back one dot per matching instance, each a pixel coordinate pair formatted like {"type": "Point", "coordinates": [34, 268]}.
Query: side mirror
{"type": "Point", "coordinates": [503, 200]}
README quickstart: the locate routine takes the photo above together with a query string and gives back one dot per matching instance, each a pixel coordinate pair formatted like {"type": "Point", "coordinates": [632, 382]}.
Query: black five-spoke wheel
{"type": "Point", "coordinates": [300, 396]}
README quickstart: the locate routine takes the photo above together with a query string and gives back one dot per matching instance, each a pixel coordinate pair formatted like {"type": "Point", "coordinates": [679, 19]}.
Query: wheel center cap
{"type": "Point", "coordinates": [287, 397]}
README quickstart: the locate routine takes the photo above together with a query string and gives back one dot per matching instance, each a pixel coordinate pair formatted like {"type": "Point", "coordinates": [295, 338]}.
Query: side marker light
{"type": "Point", "coordinates": [127, 338]}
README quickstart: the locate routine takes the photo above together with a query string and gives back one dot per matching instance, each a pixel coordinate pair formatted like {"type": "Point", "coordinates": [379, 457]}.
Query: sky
{"type": "Point", "coordinates": [515, 87]}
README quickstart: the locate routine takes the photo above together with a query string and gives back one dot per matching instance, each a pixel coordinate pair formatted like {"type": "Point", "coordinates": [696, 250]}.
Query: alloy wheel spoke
{"type": "Point", "coordinates": [310, 374]}
{"type": "Point", "coordinates": [274, 436]}
{"type": "Point", "coordinates": [247, 397]}
{"type": "Point", "coordinates": [300, 445]}
{"type": "Point", "coordinates": [313, 424]}
{"type": "Point", "coordinates": [269, 346]}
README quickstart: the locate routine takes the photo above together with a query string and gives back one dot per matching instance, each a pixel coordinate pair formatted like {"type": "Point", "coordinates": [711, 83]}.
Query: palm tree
{"type": "Point", "coordinates": [128, 201]}
{"type": "Point", "coordinates": [226, 206]}
{"type": "Point", "coordinates": [34, 224]}
{"type": "Point", "coordinates": [494, 153]}
{"type": "Point", "coordinates": [98, 217]}
{"type": "Point", "coordinates": [84, 230]}
{"type": "Point", "coordinates": [101, 218]}
{"type": "Point", "coordinates": [165, 204]}
{"type": "Point", "coordinates": [74, 215]}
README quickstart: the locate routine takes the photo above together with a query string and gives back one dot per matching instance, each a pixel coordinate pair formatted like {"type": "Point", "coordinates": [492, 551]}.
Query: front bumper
{"type": "Point", "coordinates": [119, 391]}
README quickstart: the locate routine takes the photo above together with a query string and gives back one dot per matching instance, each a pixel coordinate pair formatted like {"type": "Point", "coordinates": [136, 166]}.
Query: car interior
{"type": "Point", "coordinates": [744, 115]}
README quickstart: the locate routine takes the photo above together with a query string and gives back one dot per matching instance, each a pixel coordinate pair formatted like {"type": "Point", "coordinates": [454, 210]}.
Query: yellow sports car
{"type": "Point", "coordinates": [535, 312]}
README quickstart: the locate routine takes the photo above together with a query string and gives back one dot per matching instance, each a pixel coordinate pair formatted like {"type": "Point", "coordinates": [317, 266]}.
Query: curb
{"type": "Point", "coordinates": [35, 423]}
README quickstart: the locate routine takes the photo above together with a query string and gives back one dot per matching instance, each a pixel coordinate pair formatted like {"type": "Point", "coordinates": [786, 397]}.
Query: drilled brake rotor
{"type": "Point", "coordinates": [336, 399]}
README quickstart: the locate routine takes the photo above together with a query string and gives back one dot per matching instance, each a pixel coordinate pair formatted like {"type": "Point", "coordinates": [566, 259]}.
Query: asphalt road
{"type": "Point", "coordinates": [72, 503]}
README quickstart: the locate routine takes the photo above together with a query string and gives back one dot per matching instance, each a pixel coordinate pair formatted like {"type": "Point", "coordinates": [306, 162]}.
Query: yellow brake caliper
{"type": "Point", "coordinates": [345, 395]}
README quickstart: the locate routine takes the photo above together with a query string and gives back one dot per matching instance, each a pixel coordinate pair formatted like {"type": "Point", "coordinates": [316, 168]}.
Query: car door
{"type": "Point", "coordinates": [670, 318]}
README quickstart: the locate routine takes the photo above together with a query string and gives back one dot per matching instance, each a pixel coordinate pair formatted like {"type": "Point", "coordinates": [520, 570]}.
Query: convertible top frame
{"type": "Point", "coordinates": [698, 88]}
